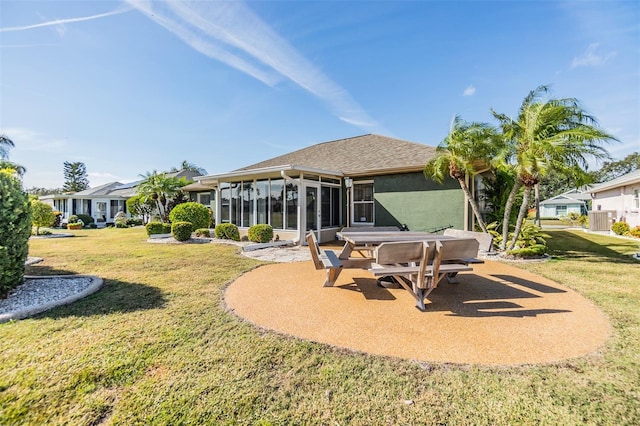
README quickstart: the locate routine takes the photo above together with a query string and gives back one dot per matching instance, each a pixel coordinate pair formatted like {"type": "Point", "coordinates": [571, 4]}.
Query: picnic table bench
{"type": "Point", "coordinates": [418, 266]}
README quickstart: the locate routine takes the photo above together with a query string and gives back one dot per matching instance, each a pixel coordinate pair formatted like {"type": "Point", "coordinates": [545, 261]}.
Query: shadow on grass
{"type": "Point", "coordinates": [115, 296]}
{"type": "Point", "coordinates": [565, 245]}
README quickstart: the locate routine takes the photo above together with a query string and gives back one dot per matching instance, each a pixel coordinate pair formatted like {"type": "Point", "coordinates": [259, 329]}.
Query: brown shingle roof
{"type": "Point", "coordinates": [360, 155]}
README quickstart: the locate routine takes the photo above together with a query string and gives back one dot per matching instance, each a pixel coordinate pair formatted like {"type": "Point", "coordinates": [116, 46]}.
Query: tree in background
{"type": "Point", "coordinates": [139, 206]}
{"type": "Point", "coordinates": [190, 167]}
{"type": "Point", "coordinates": [549, 135]}
{"type": "Point", "coordinates": [613, 169]}
{"type": "Point", "coordinates": [38, 191]}
{"type": "Point", "coordinates": [75, 177]}
{"type": "Point", "coordinates": [467, 146]}
{"type": "Point", "coordinates": [5, 145]}
{"type": "Point", "coordinates": [42, 214]}
{"type": "Point", "coordinates": [161, 189]}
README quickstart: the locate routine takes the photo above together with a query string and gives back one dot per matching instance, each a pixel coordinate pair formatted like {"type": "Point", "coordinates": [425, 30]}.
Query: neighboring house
{"type": "Point", "coordinates": [620, 195]}
{"type": "Point", "coordinates": [368, 180]}
{"type": "Point", "coordinates": [102, 202]}
{"type": "Point", "coordinates": [560, 206]}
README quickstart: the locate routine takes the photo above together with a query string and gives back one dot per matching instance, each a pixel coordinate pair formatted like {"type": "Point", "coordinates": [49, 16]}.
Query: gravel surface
{"type": "Point", "coordinates": [38, 294]}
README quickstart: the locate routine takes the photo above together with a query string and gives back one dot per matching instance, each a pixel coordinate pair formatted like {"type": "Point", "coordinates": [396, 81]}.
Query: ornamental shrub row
{"type": "Point", "coordinates": [15, 229]}
{"type": "Point", "coordinates": [260, 233]}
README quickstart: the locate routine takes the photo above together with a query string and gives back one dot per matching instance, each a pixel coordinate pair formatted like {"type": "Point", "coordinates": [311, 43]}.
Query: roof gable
{"type": "Point", "coordinates": [360, 155]}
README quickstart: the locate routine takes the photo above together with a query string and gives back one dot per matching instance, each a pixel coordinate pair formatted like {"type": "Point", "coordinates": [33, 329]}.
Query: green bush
{"type": "Point", "coordinates": [620, 228]}
{"type": "Point", "coordinates": [260, 233]}
{"type": "Point", "coordinates": [154, 228]}
{"type": "Point", "coordinates": [635, 232]}
{"type": "Point", "coordinates": [73, 219]}
{"type": "Point", "coordinates": [85, 218]}
{"type": "Point", "coordinates": [181, 231]}
{"type": "Point", "coordinates": [227, 231]}
{"type": "Point", "coordinates": [42, 214]}
{"type": "Point", "coordinates": [134, 221]}
{"type": "Point", "coordinates": [535, 250]}
{"type": "Point", "coordinates": [202, 232]}
{"type": "Point", "coordinates": [198, 214]}
{"type": "Point", "coordinates": [15, 229]}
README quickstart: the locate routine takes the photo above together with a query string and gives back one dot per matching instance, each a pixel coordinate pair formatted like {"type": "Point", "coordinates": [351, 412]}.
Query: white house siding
{"type": "Point", "coordinates": [621, 200]}
{"type": "Point", "coordinates": [551, 210]}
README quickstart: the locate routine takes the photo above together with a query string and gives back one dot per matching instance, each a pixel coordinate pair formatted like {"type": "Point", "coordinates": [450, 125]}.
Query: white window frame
{"type": "Point", "coordinates": [354, 202]}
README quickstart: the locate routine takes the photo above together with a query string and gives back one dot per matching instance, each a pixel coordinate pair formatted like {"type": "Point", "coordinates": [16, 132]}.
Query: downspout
{"type": "Point", "coordinates": [299, 216]}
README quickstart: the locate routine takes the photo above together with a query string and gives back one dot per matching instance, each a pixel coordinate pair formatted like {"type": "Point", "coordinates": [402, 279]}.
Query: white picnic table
{"type": "Point", "coordinates": [367, 241]}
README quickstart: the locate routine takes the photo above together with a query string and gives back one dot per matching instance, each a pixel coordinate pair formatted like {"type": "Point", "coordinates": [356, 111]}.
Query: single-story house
{"type": "Point", "coordinates": [574, 201]}
{"type": "Point", "coordinates": [102, 202]}
{"type": "Point", "coordinates": [621, 195]}
{"type": "Point", "coordinates": [368, 180]}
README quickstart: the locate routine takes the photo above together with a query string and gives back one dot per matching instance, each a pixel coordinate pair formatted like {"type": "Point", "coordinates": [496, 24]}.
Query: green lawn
{"type": "Point", "coordinates": [156, 346]}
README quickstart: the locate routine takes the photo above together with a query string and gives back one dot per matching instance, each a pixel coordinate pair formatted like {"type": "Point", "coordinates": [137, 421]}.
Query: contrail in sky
{"type": "Point", "coordinates": [67, 21]}
{"type": "Point", "coordinates": [232, 33]}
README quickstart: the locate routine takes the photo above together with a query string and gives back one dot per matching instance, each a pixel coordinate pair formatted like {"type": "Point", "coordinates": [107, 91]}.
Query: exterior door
{"type": "Point", "coordinates": [312, 203]}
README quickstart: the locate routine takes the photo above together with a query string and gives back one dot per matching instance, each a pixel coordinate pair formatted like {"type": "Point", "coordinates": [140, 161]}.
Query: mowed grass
{"type": "Point", "coordinates": [156, 346]}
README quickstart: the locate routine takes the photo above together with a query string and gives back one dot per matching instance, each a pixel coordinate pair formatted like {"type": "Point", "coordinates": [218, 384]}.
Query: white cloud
{"type": "Point", "coordinates": [591, 58]}
{"type": "Point", "coordinates": [469, 91]}
{"type": "Point", "coordinates": [31, 140]}
{"type": "Point", "coordinates": [59, 23]}
{"type": "Point", "coordinates": [233, 34]}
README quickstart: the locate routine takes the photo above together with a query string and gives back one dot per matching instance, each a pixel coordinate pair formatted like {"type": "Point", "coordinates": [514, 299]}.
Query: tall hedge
{"type": "Point", "coordinates": [15, 229]}
{"type": "Point", "coordinates": [196, 213]}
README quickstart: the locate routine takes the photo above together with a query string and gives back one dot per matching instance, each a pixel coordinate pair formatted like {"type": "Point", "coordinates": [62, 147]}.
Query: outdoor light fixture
{"type": "Point", "coordinates": [348, 182]}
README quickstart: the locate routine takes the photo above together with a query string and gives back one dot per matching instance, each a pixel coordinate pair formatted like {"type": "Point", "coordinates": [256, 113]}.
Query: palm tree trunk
{"type": "Point", "coordinates": [537, 201]}
{"type": "Point", "coordinates": [521, 214]}
{"type": "Point", "coordinates": [474, 205]}
{"type": "Point", "coordinates": [507, 213]}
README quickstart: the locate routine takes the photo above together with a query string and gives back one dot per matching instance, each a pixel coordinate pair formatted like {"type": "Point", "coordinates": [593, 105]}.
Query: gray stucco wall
{"type": "Point", "coordinates": [421, 204]}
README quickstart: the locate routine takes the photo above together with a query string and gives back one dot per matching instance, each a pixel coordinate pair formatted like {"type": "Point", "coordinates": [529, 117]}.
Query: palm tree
{"type": "Point", "coordinates": [460, 152]}
{"type": "Point", "coordinates": [17, 168]}
{"type": "Point", "coordinates": [549, 135]}
{"type": "Point", "coordinates": [190, 167]}
{"type": "Point", "coordinates": [161, 189]}
{"type": "Point", "coordinates": [5, 145]}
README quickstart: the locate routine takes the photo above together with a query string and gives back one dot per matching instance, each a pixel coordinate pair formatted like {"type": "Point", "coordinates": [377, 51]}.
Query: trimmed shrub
{"type": "Point", "coordinates": [535, 250]}
{"type": "Point", "coordinates": [198, 214]}
{"type": "Point", "coordinates": [15, 229]}
{"type": "Point", "coordinates": [42, 214]}
{"type": "Point", "coordinates": [620, 228]}
{"type": "Point", "coordinates": [181, 231]}
{"type": "Point", "coordinates": [202, 232]}
{"type": "Point", "coordinates": [635, 232]}
{"type": "Point", "coordinates": [227, 231]}
{"type": "Point", "coordinates": [73, 219]}
{"type": "Point", "coordinates": [260, 233]}
{"type": "Point", "coordinates": [154, 228]}
{"type": "Point", "coordinates": [134, 221]}
{"type": "Point", "coordinates": [85, 218]}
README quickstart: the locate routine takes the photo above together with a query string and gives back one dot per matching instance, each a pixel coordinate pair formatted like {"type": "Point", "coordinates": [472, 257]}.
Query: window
{"type": "Point", "coordinates": [561, 211]}
{"type": "Point", "coordinates": [636, 199]}
{"type": "Point", "coordinates": [225, 202]}
{"type": "Point", "coordinates": [115, 206]}
{"type": "Point", "coordinates": [276, 198]}
{"type": "Point", "coordinates": [292, 206]}
{"type": "Point", "coordinates": [262, 201]}
{"type": "Point", "coordinates": [330, 208]}
{"type": "Point", "coordinates": [363, 202]}
{"type": "Point", "coordinates": [247, 204]}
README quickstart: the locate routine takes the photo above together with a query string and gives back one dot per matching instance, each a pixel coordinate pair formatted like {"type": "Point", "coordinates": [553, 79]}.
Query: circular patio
{"type": "Point", "coordinates": [496, 315]}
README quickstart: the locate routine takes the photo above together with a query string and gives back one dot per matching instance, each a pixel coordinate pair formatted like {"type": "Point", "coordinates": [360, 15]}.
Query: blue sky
{"type": "Point", "coordinates": [134, 86]}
